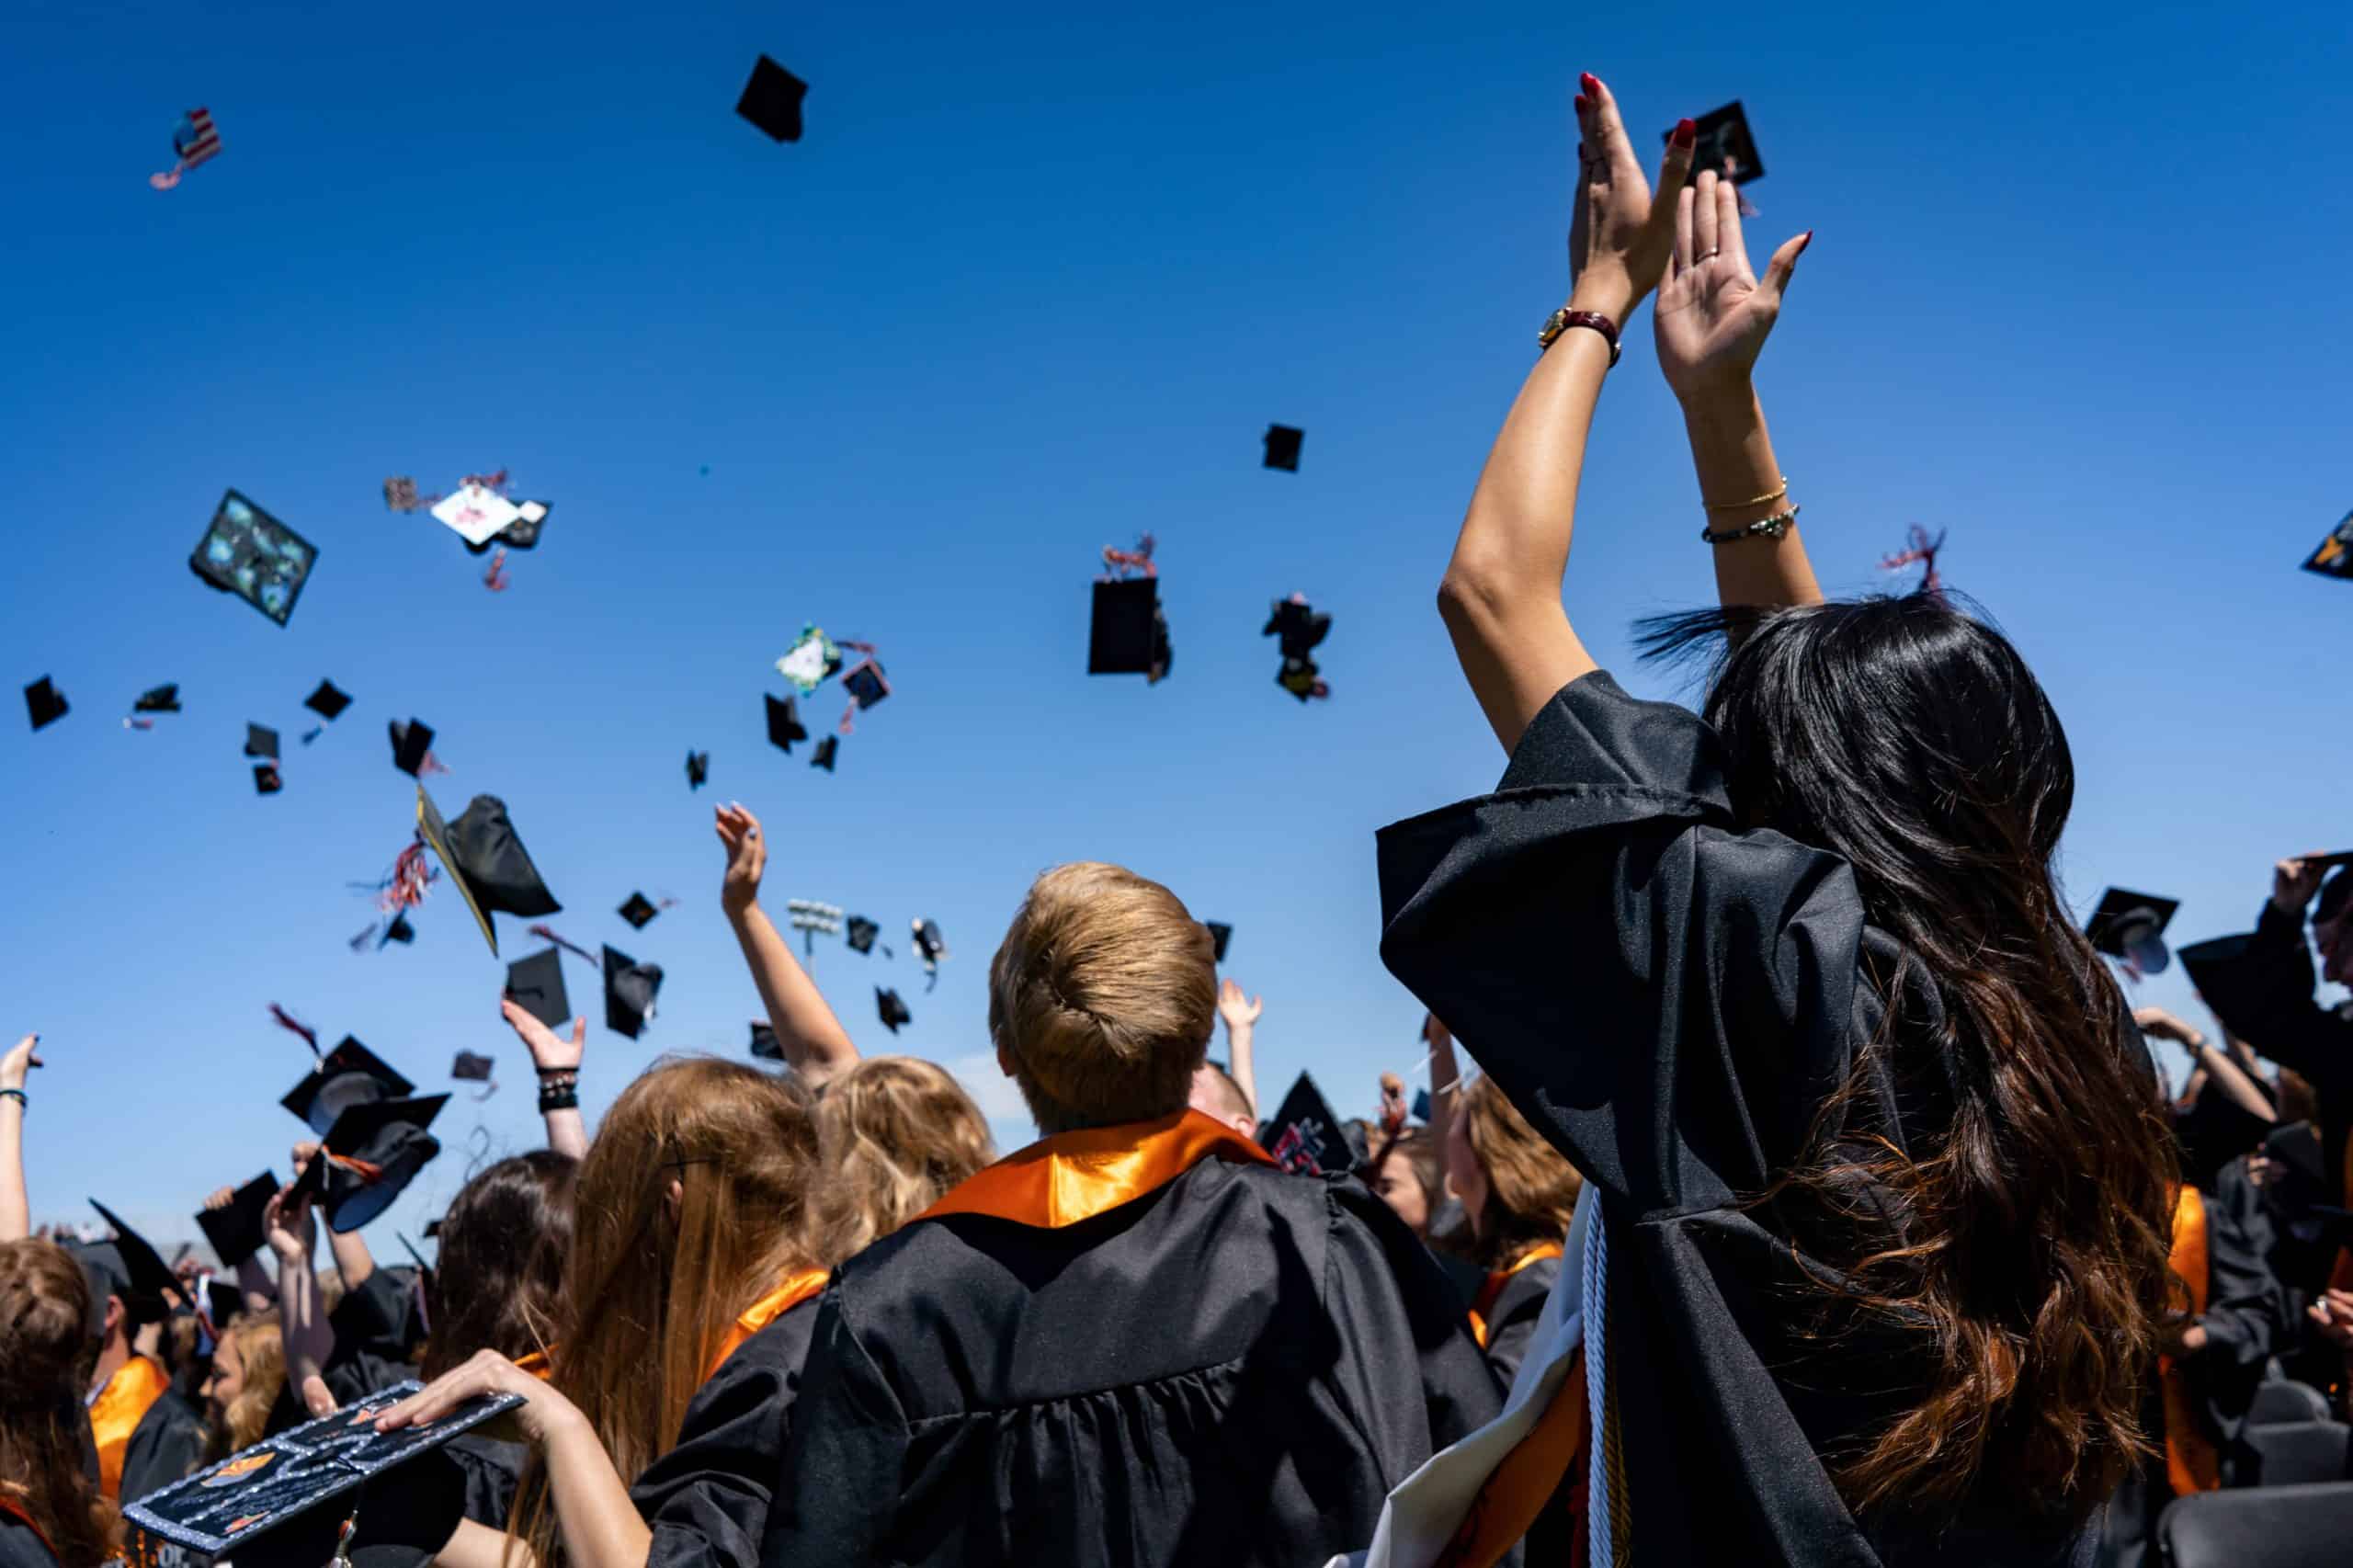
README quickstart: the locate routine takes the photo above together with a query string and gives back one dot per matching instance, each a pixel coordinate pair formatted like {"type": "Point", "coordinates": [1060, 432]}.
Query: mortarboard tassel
{"type": "Point", "coordinates": [1121, 561]}
{"type": "Point", "coordinates": [496, 579]}
{"type": "Point", "coordinates": [361, 940]}
{"type": "Point", "coordinates": [139, 723]}
{"type": "Point", "coordinates": [287, 1021]}
{"type": "Point", "coordinates": [1921, 550]}
{"type": "Point", "coordinates": [195, 140]}
{"type": "Point", "coordinates": [547, 934]}
{"type": "Point", "coordinates": [405, 887]}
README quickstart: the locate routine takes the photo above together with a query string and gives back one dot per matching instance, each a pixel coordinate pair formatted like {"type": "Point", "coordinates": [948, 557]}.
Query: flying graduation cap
{"type": "Point", "coordinates": [1299, 628]}
{"type": "Point", "coordinates": [892, 1011]}
{"type": "Point", "coordinates": [348, 1075]}
{"type": "Point", "coordinates": [766, 1046]}
{"type": "Point", "coordinates": [1724, 142]}
{"type": "Point", "coordinates": [697, 769]}
{"type": "Point", "coordinates": [1128, 635]}
{"type": "Point", "coordinates": [2129, 926]}
{"type": "Point", "coordinates": [931, 946]}
{"type": "Point", "coordinates": [771, 100]}
{"type": "Point", "coordinates": [248, 553]}
{"type": "Point", "coordinates": [812, 659]}
{"type": "Point", "coordinates": [235, 1232]}
{"type": "Point", "coordinates": [165, 698]}
{"type": "Point", "coordinates": [2333, 557]}
{"type": "Point", "coordinates": [326, 702]}
{"type": "Point", "coordinates": [536, 984]}
{"type": "Point", "coordinates": [45, 703]}
{"type": "Point", "coordinates": [824, 756]}
{"type": "Point", "coordinates": [469, 1068]}
{"type": "Point", "coordinates": [784, 726]}
{"type": "Point", "coordinates": [630, 990]}
{"type": "Point", "coordinates": [1220, 934]}
{"type": "Point", "coordinates": [194, 139]}
{"type": "Point", "coordinates": [860, 934]}
{"type": "Point", "coordinates": [266, 779]}
{"type": "Point", "coordinates": [865, 682]}
{"type": "Point", "coordinates": [638, 911]}
{"type": "Point", "coordinates": [413, 748]}
{"type": "Point", "coordinates": [485, 858]}
{"type": "Point", "coordinates": [368, 1156]}
{"type": "Point", "coordinates": [1282, 447]}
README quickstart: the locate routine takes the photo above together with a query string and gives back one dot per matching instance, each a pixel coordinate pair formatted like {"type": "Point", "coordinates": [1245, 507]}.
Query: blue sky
{"type": "Point", "coordinates": [1034, 283]}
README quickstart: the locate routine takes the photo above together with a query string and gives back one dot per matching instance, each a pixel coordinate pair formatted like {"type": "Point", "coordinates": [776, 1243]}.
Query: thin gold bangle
{"type": "Point", "coordinates": [1752, 501]}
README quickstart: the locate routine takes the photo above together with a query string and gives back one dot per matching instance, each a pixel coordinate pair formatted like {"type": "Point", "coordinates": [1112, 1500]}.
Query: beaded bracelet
{"type": "Point", "coordinates": [558, 1097]}
{"type": "Point", "coordinates": [1773, 527]}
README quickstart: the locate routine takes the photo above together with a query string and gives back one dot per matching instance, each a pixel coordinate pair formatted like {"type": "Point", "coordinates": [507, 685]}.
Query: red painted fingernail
{"type": "Point", "coordinates": [1589, 82]}
{"type": "Point", "coordinates": [1686, 132]}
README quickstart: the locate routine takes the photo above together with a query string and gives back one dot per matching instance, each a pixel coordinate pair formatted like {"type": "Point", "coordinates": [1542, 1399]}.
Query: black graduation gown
{"type": "Point", "coordinates": [372, 1335]}
{"type": "Point", "coordinates": [2260, 985]}
{"type": "Point", "coordinates": [1671, 1001]}
{"type": "Point", "coordinates": [1511, 1317]}
{"type": "Point", "coordinates": [707, 1499]}
{"type": "Point", "coordinates": [166, 1445]}
{"type": "Point", "coordinates": [21, 1545]}
{"type": "Point", "coordinates": [1232, 1368]}
{"type": "Point", "coordinates": [494, 1473]}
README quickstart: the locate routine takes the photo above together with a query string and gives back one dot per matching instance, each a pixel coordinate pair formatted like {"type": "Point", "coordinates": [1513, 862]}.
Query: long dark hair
{"type": "Point", "coordinates": [2021, 1248]}
{"type": "Point", "coordinates": [501, 1274]}
{"type": "Point", "coordinates": [44, 1319]}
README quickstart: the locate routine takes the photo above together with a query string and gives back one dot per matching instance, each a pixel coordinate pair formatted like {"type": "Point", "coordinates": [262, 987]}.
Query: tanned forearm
{"type": "Point", "coordinates": [1732, 455]}
{"type": "Point", "coordinates": [815, 1045]}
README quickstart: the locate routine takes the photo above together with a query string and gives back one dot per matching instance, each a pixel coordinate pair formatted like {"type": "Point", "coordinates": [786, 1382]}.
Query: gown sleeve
{"type": "Point", "coordinates": [707, 1499]}
{"type": "Point", "coordinates": [838, 1495]}
{"type": "Point", "coordinates": [1669, 998]}
{"type": "Point", "coordinates": [2261, 986]}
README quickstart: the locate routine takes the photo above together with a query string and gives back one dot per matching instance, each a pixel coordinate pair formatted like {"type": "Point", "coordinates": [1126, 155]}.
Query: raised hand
{"type": "Point", "coordinates": [1392, 1104]}
{"type": "Point", "coordinates": [550, 1051]}
{"type": "Point", "coordinates": [289, 1227]}
{"type": "Point", "coordinates": [2294, 881]}
{"type": "Point", "coordinates": [747, 858]}
{"type": "Point", "coordinates": [19, 1061]}
{"type": "Point", "coordinates": [1713, 312]}
{"type": "Point", "coordinates": [2164, 1025]}
{"type": "Point", "coordinates": [1620, 237]}
{"type": "Point", "coordinates": [1239, 1012]}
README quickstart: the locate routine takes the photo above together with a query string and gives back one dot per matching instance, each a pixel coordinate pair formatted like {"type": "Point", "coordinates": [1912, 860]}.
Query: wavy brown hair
{"type": "Point", "coordinates": [44, 1322]}
{"type": "Point", "coordinates": [504, 1241]}
{"type": "Point", "coordinates": [258, 1343]}
{"type": "Point", "coordinates": [1531, 1190]}
{"type": "Point", "coordinates": [653, 1283]}
{"type": "Point", "coordinates": [2017, 1251]}
{"type": "Point", "coordinates": [895, 1133]}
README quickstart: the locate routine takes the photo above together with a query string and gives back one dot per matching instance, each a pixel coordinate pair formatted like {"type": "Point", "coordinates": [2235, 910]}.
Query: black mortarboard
{"type": "Point", "coordinates": [326, 702]}
{"type": "Point", "coordinates": [861, 934]}
{"type": "Point", "coordinates": [1220, 934]}
{"type": "Point", "coordinates": [2334, 558]}
{"type": "Point", "coordinates": [412, 744]}
{"type": "Point", "coordinates": [1422, 1106]}
{"type": "Point", "coordinates": [400, 931]}
{"type": "Point", "coordinates": [784, 724]}
{"type": "Point", "coordinates": [697, 769]}
{"type": "Point", "coordinates": [373, 1152]}
{"type": "Point", "coordinates": [824, 756]}
{"type": "Point", "coordinates": [630, 989]}
{"type": "Point", "coordinates": [866, 684]}
{"type": "Point", "coordinates": [1297, 625]}
{"type": "Point", "coordinates": [536, 985]}
{"type": "Point", "coordinates": [764, 1045]}
{"type": "Point", "coordinates": [350, 1075]}
{"type": "Point", "coordinates": [266, 779]}
{"type": "Point", "coordinates": [638, 911]}
{"type": "Point", "coordinates": [45, 702]}
{"type": "Point", "coordinates": [771, 100]}
{"type": "Point", "coordinates": [2297, 1146]}
{"type": "Point", "coordinates": [148, 1274]}
{"type": "Point", "coordinates": [1725, 145]}
{"type": "Point", "coordinates": [892, 1011]}
{"type": "Point", "coordinates": [225, 1301]}
{"type": "Point", "coordinates": [1128, 636]}
{"type": "Point", "coordinates": [248, 553]}
{"type": "Point", "coordinates": [484, 856]}
{"type": "Point", "coordinates": [2130, 926]}
{"type": "Point", "coordinates": [158, 699]}
{"type": "Point", "coordinates": [261, 741]}
{"type": "Point", "coordinates": [928, 941]}
{"type": "Point", "coordinates": [1282, 447]}
{"type": "Point", "coordinates": [469, 1068]}
{"type": "Point", "coordinates": [235, 1232]}
{"type": "Point", "coordinates": [1303, 1135]}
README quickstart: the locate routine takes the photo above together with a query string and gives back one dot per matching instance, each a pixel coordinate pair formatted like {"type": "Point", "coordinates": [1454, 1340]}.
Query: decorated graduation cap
{"type": "Point", "coordinates": [638, 911]}
{"type": "Point", "coordinates": [1220, 934]}
{"type": "Point", "coordinates": [412, 746]}
{"type": "Point", "coordinates": [630, 990]}
{"type": "Point", "coordinates": [476, 512]}
{"type": "Point", "coordinates": [2129, 926]}
{"type": "Point", "coordinates": [1303, 1135]}
{"type": "Point", "coordinates": [195, 140]}
{"type": "Point", "coordinates": [812, 659]}
{"type": "Point", "coordinates": [248, 553]}
{"type": "Point", "coordinates": [865, 682]}
{"type": "Point", "coordinates": [368, 1157]}
{"type": "Point", "coordinates": [45, 703]}
{"type": "Point", "coordinates": [861, 934]}
{"type": "Point", "coordinates": [1128, 635]}
{"type": "Point", "coordinates": [1282, 447]}
{"type": "Point", "coordinates": [536, 984]}
{"type": "Point", "coordinates": [766, 1046]}
{"type": "Point", "coordinates": [267, 781]}
{"type": "Point", "coordinates": [824, 756]}
{"type": "Point", "coordinates": [146, 1276]}
{"type": "Point", "coordinates": [487, 858]}
{"type": "Point", "coordinates": [1724, 142]}
{"type": "Point", "coordinates": [891, 1009]}
{"type": "Point", "coordinates": [931, 946]}
{"type": "Point", "coordinates": [2334, 555]}
{"type": "Point", "coordinates": [520, 531]}
{"type": "Point", "coordinates": [784, 725]}
{"type": "Point", "coordinates": [1297, 629]}
{"type": "Point", "coordinates": [697, 769]}
{"type": "Point", "coordinates": [771, 100]}
{"type": "Point", "coordinates": [235, 1232]}
{"type": "Point", "coordinates": [349, 1075]}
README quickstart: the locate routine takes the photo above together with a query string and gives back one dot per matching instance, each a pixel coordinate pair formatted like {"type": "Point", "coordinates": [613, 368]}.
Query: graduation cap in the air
{"type": "Point", "coordinates": [369, 1155]}
{"type": "Point", "coordinates": [261, 741]}
{"type": "Point", "coordinates": [1282, 447]}
{"type": "Point", "coordinates": [892, 1011]}
{"type": "Point", "coordinates": [536, 985]}
{"type": "Point", "coordinates": [1220, 934]}
{"type": "Point", "coordinates": [1297, 629]}
{"type": "Point", "coordinates": [327, 701]}
{"type": "Point", "coordinates": [638, 911]}
{"type": "Point", "coordinates": [1128, 635]}
{"type": "Point", "coordinates": [866, 685]}
{"type": "Point", "coordinates": [784, 725]}
{"type": "Point", "coordinates": [470, 1068]}
{"type": "Point", "coordinates": [697, 769]}
{"type": "Point", "coordinates": [266, 779]}
{"type": "Point", "coordinates": [412, 745]}
{"type": "Point", "coordinates": [630, 989]}
{"type": "Point", "coordinates": [2131, 926]}
{"type": "Point", "coordinates": [235, 1232]}
{"type": "Point", "coordinates": [524, 519]}
{"type": "Point", "coordinates": [397, 931]}
{"type": "Point", "coordinates": [771, 100]}
{"type": "Point", "coordinates": [2333, 557]}
{"type": "Point", "coordinates": [158, 699]}
{"type": "Point", "coordinates": [45, 703]}
{"type": "Point", "coordinates": [931, 946]}
{"type": "Point", "coordinates": [146, 1276]}
{"type": "Point", "coordinates": [1726, 144]}
{"type": "Point", "coordinates": [485, 858]}
{"type": "Point", "coordinates": [1303, 1135]}
{"type": "Point", "coordinates": [349, 1075]}
{"type": "Point", "coordinates": [764, 1045]}
{"type": "Point", "coordinates": [812, 659]}
{"type": "Point", "coordinates": [824, 756]}
{"type": "Point", "coordinates": [248, 553]}
{"type": "Point", "coordinates": [475, 513]}
{"type": "Point", "coordinates": [860, 932]}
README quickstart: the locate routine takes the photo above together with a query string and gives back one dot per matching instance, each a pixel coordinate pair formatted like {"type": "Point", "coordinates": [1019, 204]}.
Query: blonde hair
{"type": "Point", "coordinates": [1531, 1190]}
{"type": "Point", "coordinates": [1103, 995]}
{"type": "Point", "coordinates": [895, 1133]}
{"type": "Point", "coordinates": [260, 1348]}
{"type": "Point", "coordinates": [652, 1287]}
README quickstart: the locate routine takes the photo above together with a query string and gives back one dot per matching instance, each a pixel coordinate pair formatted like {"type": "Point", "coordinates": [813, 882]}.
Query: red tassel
{"type": "Point", "coordinates": [1920, 550]}
{"type": "Point", "coordinates": [1122, 562]}
{"type": "Point", "coordinates": [411, 875]}
{"type": "Point", "coordinates": [287, 1021]}
{"type": "Point", "coordinates": [496, 579]}
{"type": "Point", "coordinates": [547, 935]}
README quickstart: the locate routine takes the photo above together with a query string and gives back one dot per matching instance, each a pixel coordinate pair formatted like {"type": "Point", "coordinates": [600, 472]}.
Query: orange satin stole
{"type": "Point", "coordinates": [796, 1289]}
{"type": "Point", "coordinates": [116, 1413]}
{"type": "Point", "coordinates": [2192, 1462]}
{"type": "Point", "coordinates": [1076, 1176]}
{"type": "Point", "coordinates": [1494, 1284]}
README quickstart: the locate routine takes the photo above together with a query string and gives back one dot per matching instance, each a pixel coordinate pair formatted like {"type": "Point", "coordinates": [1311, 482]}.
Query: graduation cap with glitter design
{"type": "Point", "coordinates": [2333, 556]}
{"type": "Point", "coordinates": [248, 553]}
{"type": "Point", "coordinates": [1303, 1135]}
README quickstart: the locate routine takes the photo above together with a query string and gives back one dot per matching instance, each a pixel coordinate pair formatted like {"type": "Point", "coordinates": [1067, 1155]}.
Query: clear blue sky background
{"type": "Point", "coordinates": [1034, 283]}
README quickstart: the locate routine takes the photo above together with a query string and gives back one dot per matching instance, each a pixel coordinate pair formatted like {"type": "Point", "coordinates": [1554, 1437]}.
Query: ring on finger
{"type": "Point", "coordinates": [1707, 256]}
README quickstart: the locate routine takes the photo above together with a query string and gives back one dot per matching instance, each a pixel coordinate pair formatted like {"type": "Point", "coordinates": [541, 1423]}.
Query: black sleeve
{"type": "Point", "coordinates": [1670, 999]}
{"type": "Point", "coordinates": [707, 1499]}
{"type": "Point", "coordinates": [371, 1321]}
{"type": "Point", "coordinates": [838, 1497]}
{"type": "Point", "coordinates": [2261, 987]}
{"type": "Point", "coordinates": [2243, 1311]}
{"type": "Point", "coordinates": [165, 1447]}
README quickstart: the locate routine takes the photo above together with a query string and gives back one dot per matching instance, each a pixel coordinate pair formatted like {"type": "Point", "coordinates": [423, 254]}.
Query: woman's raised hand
{"type": "Point", "coordinates": [1713, 312]}
{"type": "Point", "coordinates": [747, 858]}
{"type": "Point", "coordinates": [551, 1052]}
{"type": "Point", "coordinates": [1621, 236]}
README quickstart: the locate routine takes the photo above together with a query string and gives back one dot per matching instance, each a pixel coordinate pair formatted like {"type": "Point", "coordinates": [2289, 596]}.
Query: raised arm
{"type": "Point", "coordinates": [1501, 598]}
{"type": "Point", "coordinates": [292, 1235]}
{"type": "Point", "coordinates": [2213, 1068]}
{"type": "Point", "coordinates": [353, 1262]}
{"type": "Point", "coordinates": [1446, 1078]}
{"type": "Point", "coordinates": [815, 1045]}
{"type": "Point", "coordinates": [1241, 1016]}
{"type": "Point", "coordinates": [1710, 324]}
{"type": "Point", "coordinates": [557, 1061]}
{"type": "Point", "coordinates": [15, 1206]}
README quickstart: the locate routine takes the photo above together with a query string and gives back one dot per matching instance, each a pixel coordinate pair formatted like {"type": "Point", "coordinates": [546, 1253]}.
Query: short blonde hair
{"type": "Point", "coordinates": [895, 1133]}
{"type": "Point", "coordinates": [1102, 995]}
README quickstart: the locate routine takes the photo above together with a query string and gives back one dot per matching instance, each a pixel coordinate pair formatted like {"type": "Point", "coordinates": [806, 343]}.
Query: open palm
{"type": "Point", "coordinates": [1713, 312]}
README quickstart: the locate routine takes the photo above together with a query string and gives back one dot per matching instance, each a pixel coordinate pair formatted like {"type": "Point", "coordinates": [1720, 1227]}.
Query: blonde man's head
{"type": "Point", "coordinates": [1102, 998]}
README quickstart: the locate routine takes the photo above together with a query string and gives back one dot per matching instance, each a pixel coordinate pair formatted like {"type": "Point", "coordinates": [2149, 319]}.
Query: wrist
{"type": "Point", "coordinates": [1610, 296]}
{"type": "Point", "coordinates": [1726, 405]}
{"type": "Point", "coordinates": [740, 907]}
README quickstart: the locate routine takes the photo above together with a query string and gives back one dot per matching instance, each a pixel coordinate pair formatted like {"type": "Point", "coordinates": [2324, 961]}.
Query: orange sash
{"type": "Point", "coordinates": [1508, 1505]}
{"type": "Point", "coordinates": [1494, 1285]}
{"type": "Point", "coordinates": [537, 1365]}
{"type": "Point", "coordinates": [1076, 1176]}
{"type": "Point", "coordinates": [796, 1289]}
{"type": "Point", "coordinates": [2192, 1462]}
{"type": "Point", "coordinates": [116, 1413]}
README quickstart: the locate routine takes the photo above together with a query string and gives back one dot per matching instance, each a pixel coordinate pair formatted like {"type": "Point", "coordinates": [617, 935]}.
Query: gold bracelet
{"type": "Point", "coordinates": [1752, 501]}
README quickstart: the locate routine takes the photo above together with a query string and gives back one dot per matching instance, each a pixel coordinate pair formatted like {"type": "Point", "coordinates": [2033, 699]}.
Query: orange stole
{"type": "Point", "coordinates": [537, 1365]}
{"type": "Point", "coordinates": [2192, 1462]}
{"type": "Point", "coordinates": [1076, 1176]}
{"type": "Point", "coordinates": [796, 1289]}
{"type": "Point", "coordinates": [115, 1414]}
{"type": "Point", "coordinates": [1494, 1287]}
{"type": "Point", "coordinates": [1508, 1505]}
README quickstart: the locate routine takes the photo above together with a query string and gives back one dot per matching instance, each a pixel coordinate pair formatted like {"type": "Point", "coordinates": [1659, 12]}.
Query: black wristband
{"type": "Point", "coordinates": [564, 1098]}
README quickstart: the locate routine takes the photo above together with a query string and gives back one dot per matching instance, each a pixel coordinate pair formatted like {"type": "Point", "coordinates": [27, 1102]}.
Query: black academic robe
{"type": "Point", "coordinates": [1671, 1001]}
{"type": "Point", "coordinates": [707, 1499]}
{"type": "Point", "coordinates": [166, 1445]}
{"type": "Point", "coordinates": [494, 1473]}
{"type": "Point", "coordinates": [371, 1326]}
{"type": "Point", "coordinates": [1232, 1368]}
{"type": "Point", "coordinates": [1511, 1317]}
{"type": "Point", "coordinates": [2260, 985]}
{"type": "Point", "coordinates": [21, 1545]}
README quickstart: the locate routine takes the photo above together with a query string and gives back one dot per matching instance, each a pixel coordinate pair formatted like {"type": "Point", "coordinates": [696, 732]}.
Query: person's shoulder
{"type": "Point", "coordinates": [21, 1545]}
{"type": "Point", "coordinates": [779, 1347]}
